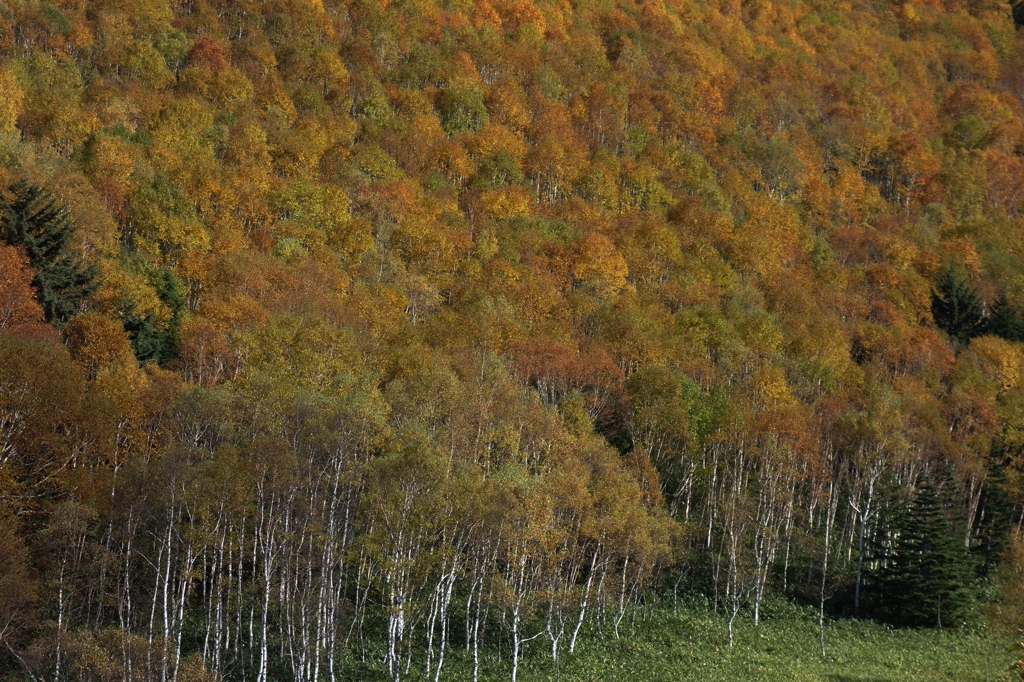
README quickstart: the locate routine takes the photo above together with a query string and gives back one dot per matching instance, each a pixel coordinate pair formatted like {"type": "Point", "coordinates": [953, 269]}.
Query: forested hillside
{"type": "Point", "coordinates": [365, 330]}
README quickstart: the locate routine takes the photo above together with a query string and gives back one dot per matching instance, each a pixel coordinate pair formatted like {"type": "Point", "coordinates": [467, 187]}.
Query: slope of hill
{"type": "Point", "coordinates": [456, 324]}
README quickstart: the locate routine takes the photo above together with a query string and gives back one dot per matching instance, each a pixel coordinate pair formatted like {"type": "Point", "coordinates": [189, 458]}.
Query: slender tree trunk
{"type": "Point", "coordinates": [863, 518]}
{"type": "Point", "coordinates": [583, 603]}
{"type": "Point", "coordinates": [833, 503]}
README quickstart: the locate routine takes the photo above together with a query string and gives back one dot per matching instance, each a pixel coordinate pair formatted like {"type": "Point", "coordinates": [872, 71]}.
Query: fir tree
{"type": "Point", "coordinates": [927, 578]}
{"type": "Point", "coordinates": [1005, 320]}
{"type": "Point", "coordinates": [995, 516]}
{"type": "Point", "coordinates": [34, 220]}
{"type": "Point", "coordinates": [893, 503]}
{"type": "Point", "coordinates": [956, 306]}
{"type": "Point", "coordinates": [151, 339]}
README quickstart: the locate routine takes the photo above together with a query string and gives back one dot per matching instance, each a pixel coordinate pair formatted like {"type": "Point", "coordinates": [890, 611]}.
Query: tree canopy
{"type": "Point", "coordinates": [332, 330]}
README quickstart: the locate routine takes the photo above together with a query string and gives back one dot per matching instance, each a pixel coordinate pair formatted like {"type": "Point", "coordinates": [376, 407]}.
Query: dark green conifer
{"type": "Point", "coordinates": [928, 575]}
{"type": "Point", "coordinates": [1005, 320]}
{"type": "Point", "coordinates": [151, 339]}
{"type": "Point", "coordinates": [995, 516]}
{"type": "Point", "coordinates": [956, 306]}
{"type": "Point", "coordinates": [892, 505]}
{"type": "Point", "coordinates": [32, 218]}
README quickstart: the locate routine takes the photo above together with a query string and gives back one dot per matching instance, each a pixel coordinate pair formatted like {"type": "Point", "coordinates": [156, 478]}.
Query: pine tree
{"type": "Point", "coordinates": [34, 220]}
{"type": "Point", "coordinates": [927, 577]}
{"type": "Point", "coordinates": [1005, 320]}
{"type": "Point", "coordinates": [995, 516]}
{"type": "Point", "coordinates": [956, 306]}
{"type": "Point", "coordinates": [151, 339]}
{"type": "Point", "coordinates": [893, 504]}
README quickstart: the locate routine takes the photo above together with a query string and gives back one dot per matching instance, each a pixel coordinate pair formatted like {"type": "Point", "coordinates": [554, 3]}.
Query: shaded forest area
{"type": "Point", "coordinates": [362, 331]}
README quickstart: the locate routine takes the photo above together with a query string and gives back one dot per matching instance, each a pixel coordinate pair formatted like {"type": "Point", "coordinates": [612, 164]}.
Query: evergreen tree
{"type": "Point", "coordinates": [927, 578]}
{"type": "Point", "coordinates": [956, 306]}
{"type": "Point", "coordinates": [893, 502]}
{"type": "Point", "coordinates": [151, 339]}
{"type": "Point", "coordinates": [1005, 320]}
{"type": "Point", "coordinates": [32, 218]}
{"type": "Point", "coordinates": [995, 516]}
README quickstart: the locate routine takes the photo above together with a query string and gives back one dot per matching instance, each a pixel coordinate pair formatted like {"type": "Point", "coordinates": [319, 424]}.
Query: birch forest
{"type": "Point", "coordinates": [339, 338]}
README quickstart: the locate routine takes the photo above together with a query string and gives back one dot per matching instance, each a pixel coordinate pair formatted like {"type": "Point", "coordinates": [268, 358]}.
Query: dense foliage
{"type": "Point", "coordinates": [32, 221]}
{"type": "Point", "coordinates": [391, 327]}
{"type": "Point", "coordinates": [926, 574]}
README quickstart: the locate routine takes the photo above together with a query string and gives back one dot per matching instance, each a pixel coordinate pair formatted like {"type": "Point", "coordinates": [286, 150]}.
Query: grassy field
{"type": "Point", "coordinates": [693, 645]}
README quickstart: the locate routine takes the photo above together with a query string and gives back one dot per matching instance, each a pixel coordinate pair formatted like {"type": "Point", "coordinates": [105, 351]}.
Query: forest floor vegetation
{"type": "Point", "coordinates": [691, 643]}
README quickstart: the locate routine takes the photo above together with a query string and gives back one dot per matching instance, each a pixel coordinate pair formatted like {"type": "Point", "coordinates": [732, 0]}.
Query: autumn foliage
{"type": "Point", "coordinates": [440, 325]}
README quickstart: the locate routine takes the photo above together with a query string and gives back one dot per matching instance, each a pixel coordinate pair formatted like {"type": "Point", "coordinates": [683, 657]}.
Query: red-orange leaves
{"type": "Point", "coordinates": [20, 314]}
{"type": "Point", "coordinates": [210, 52]}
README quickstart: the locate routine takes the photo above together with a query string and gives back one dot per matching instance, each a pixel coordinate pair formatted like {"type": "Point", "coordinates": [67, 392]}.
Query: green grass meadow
{"type": "Point", "coordinates": [692, 644]}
